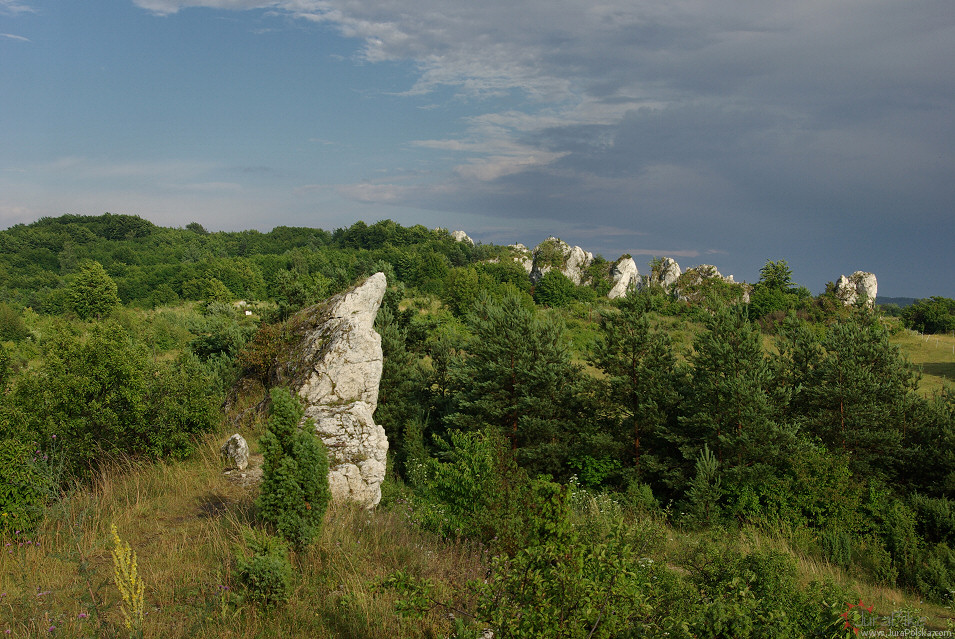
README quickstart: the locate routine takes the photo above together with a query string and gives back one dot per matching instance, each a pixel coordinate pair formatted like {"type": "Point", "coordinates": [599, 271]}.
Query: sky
{"type": "Point", "coordinates": [711, 131]}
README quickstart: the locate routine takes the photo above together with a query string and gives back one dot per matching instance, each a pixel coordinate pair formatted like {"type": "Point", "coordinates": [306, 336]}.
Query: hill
{"type": "Point", "coordinates": [664, 464]}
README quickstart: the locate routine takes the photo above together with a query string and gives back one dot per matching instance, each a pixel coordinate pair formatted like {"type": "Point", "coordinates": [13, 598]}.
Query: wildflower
{"type": "Point", "coordinates": [82, 615]}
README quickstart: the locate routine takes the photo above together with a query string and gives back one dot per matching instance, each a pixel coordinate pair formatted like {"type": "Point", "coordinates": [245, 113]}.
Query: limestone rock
{"type": "Point", "coordinates": [461, 236]}
{"type": "Point", "coordinates": [236, 452]}
{"type": "Point", "coordinates": [691, 285]}
{"type": "Point", "coordinates": [342, 360]}
{"type": "Point", "coordinates": [665, 273]}
{"type": "Point", "coordinates": [859, 285]}
{"type": "Point", "coordinates": [624, 276]}
{"type": "Point", "coordinates": [523, 256]}
{"type": "Point", "coordinates": [555, 253]}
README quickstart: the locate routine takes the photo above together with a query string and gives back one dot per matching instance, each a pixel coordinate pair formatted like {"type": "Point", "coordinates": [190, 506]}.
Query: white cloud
{"type": "Point", "coordinates": [14, 37]}
{"type": "Point", "coordinates": [14, 7]}
{"type": "Point", "coordinates": [169, 7]}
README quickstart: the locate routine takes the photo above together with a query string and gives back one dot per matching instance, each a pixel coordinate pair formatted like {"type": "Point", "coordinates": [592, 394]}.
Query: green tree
{"type": "Point", "coordinates": [859, 397]}
{"type": "Point", "coordinates": [641, 374]}
{"type": "Point", "coordinates": [934, 315]}
{"type": "Point", "coordinates": [775, 276]}
{"type": "Point", "coordinates": [295, 493]}
{"type": "Point", "coordinates": [517, 376]}
{"type": "Point", "coordinates": [554, 289]}
{"type": "Point", "coordinates": [732, 405]}
{"type": "Point", "coordinates": [99, 393]}
{"type": "Point", "coordinates": [92, 293]}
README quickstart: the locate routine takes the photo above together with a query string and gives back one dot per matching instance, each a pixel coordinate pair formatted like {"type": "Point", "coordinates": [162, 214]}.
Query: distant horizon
{"type": "Point", "coordinates": [685, 262]}
{"type": "Point", "coordinates": [712, 131]}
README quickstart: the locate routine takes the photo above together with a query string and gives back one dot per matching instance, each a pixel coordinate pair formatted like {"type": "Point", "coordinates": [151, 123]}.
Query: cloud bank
{"type": "Point", "coordinates": [706, 123]}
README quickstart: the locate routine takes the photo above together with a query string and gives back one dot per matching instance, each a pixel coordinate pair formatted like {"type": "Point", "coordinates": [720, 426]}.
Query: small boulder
{"type": "Point", "coordinates": [236, 452]}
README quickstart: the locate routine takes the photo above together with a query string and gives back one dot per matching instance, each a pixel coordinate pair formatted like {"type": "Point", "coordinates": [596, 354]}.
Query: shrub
{"type": "Point", "coordinates": [12, 327]}
{"type": "Point", "coordinates": [295, 491]}
{"type": "Point", "coordinates": [92, 294]}
{"type": "Point", "coordinates": [554, 289]}
{"type": "Point", "coordinates": [23, 487]}
{"type": "Point", "coordinates": [267, 574]}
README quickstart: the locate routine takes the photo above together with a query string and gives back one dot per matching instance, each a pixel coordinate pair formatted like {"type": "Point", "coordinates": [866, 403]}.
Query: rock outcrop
{"type": "Point", "coordinates": [625, 276]}
{"type": "Point", "coordinates": [338, 372]}
{"type": "Point", "coordinates": [664, 273]}
{"type": "Point", "coordinates": [461, 236]}
{"type": "Point", "coordinates": [858, 286]}
{"type": "Point", "coordinates": [694, 285]}
{"type": "Point", "coordinates": [236, 452]}
{"type": "Point", "coordinates": [523, 256]}
{"type": "Point", "coordinates": [555, 253]}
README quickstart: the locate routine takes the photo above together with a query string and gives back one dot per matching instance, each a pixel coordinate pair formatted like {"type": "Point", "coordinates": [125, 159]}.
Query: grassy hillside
{"type": "Point", "coordinates": [934, 355]}
{"type": "Point", "coordinates": [562, 466]}
{"type": "Point", "coordinates": [184, 521]}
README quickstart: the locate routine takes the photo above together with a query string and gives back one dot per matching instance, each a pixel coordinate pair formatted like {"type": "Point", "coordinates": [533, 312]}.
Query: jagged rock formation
{"type": "Point", "coordinates": [523, 256]}
{"type": "Point", "coordinates": [337, 373]}
{"type": "Point", "coordinates": [555, 253]}
{"type": "Point", "coordinates": [624, 275]}
{"type": "Point", "coordinates": [691, 286]}
{"type": "Point", "coordinates": [236, 452]}
{"type": "Point", "coordinates": [664, 273]}
{"type": "Point", "coordinates": [461, 236]}
{"type": "Point", "coordinates": [859, 285]}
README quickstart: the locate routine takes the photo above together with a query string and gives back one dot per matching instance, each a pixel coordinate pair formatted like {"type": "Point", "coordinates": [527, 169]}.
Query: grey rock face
{"type": "Point", "coordinates": [555, 253]}
{"type": "Point", "coordinates": [343, 358]}
{"type": "Point", "coordinates": [688, 284]}
{"type": "Point", "coordinates": [625, 276]}
{"type": "Point", "coordinates": [665, 274]}
{"type": "Point", "coordinates": [236, 452]}
{"type": "Point", "coordinates": [859, 285]}
{"type": "Point", "coordinates": [461, 236]}
{"type": "Point", "coordinates": [523, 256]}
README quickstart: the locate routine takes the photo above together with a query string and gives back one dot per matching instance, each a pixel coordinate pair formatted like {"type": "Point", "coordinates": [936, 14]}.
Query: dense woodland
{"type": "Point", "coordinates": [566, 436]}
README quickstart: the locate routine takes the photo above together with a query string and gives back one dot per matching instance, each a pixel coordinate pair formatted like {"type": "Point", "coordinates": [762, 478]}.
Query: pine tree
{"type": "Point", "coordinates": [732, 404]}
{"type": "Point", "coordinates": [641, 375]}
{"type": "Point", "coordinates": [858, 398]}
{"type": "Point", "coordinates": [516, 376]}
{"type": "Point", "coordinates": [295, 491]}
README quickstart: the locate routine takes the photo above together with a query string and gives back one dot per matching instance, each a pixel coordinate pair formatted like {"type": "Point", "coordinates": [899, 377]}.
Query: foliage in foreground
{"type": "Point", "coordinates": [295, 493]}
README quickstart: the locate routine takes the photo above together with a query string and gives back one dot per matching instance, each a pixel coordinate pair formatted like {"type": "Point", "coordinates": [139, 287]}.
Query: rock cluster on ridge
{"type": "Point", "coordinates": [859, 285]}
{"type": "Point", "coordinates": [339, 370]}
{"type": "Point", "coordinates": [554, 253]}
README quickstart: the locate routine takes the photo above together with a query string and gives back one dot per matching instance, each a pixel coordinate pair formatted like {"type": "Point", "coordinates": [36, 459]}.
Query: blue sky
{"type": "Point", "coordinates": [712, 131]}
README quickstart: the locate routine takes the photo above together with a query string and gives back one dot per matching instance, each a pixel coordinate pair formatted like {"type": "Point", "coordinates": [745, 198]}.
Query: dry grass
{"type": "Point", "coordinates": [184, 521]}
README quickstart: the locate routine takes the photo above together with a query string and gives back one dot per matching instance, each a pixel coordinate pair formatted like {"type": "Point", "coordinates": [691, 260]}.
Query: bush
{"type": "Point", "coordinates": [267, 575]}
{"type": "Point", "coordinates": [554, 289]}
{"type": "Point", "coordinates": [295, 491]}
{"type": "Point", "coordinates": [92, 294]}
{"type": "Point", "coordinates": [23, 487]}
{"type": "Point", "coordinates": [12, 327]}
{"type": "Point", "coordinates": [99, 392]}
